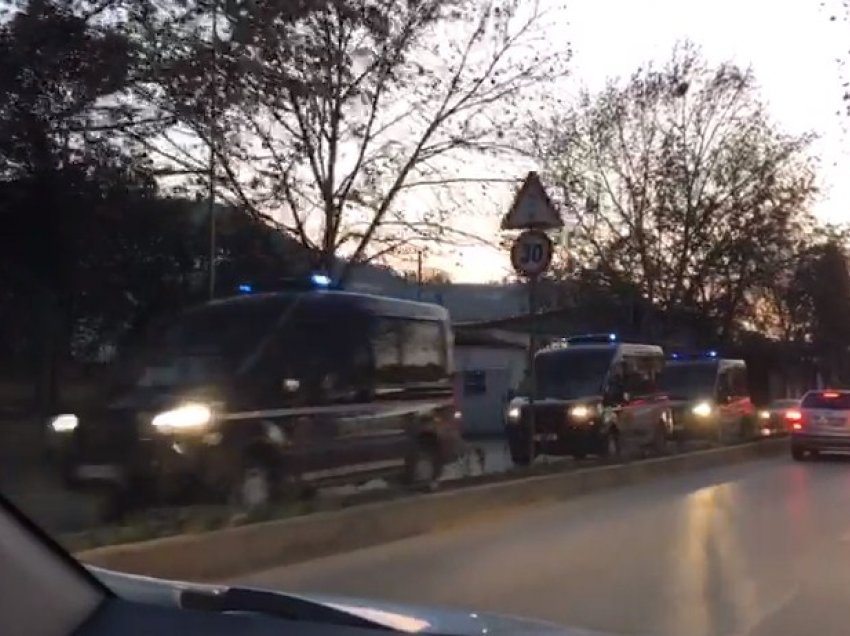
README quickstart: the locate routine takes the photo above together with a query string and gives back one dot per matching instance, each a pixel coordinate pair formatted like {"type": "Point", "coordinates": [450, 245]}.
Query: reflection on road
{"type": "Point", "coordinates": [759, 549]}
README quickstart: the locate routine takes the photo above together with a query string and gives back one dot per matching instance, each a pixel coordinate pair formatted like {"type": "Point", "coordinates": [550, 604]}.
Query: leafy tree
{"type": "Point", "coordinates": [684, 185]}
{"type": "Point", "coordinates": [327, 118]}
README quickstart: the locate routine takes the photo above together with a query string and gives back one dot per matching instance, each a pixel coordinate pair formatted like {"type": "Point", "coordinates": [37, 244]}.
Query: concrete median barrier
{"type": "Point", "coordinates": [225, 553]}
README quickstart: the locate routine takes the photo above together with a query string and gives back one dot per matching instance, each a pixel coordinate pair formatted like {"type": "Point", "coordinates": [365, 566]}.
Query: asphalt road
{"type": "Point", "coordinates": [759, 548]}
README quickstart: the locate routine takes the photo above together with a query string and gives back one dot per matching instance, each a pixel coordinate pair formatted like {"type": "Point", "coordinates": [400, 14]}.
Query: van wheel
{"type": "Point", "coordinates": [113, 504]}
{"type": "Point", "coordinates": [611, 444]}
{"type": "Point", "coordinates": [659, 439]}
{"type": "Point", "coordinates": [254, 485]}
{"type": "Point", "coordinates": [423, 467]}
{"type": "Point", "coordinates": [520, 456]}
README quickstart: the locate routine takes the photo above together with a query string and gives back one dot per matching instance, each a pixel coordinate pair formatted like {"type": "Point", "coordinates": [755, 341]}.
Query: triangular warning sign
{"type": "Point", "coordinates": [532, 208]}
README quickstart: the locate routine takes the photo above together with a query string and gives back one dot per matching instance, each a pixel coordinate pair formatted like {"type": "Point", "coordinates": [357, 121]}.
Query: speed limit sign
{"type": "Point", "coordinates": [531, 253]}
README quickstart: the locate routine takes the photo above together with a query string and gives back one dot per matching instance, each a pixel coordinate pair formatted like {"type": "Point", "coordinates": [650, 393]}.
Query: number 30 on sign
{"type": "Point", "coordinates": [531, 253]}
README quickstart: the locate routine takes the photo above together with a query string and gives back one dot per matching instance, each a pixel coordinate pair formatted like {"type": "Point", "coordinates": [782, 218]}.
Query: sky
{"type": "Point", "coordinates": [791, 46]}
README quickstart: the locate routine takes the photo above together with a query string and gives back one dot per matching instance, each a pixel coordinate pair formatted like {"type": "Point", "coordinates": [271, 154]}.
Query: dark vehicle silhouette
{"type": "Point", "coordinates": [242, 398]}
{"type": "Point", "coordinates": [593, 395]}
{"type": "Point", "coordinates": [711, 397]}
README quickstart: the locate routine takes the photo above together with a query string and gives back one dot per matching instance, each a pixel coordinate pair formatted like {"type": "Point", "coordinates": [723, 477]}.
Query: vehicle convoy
{"type": "Point", "coordinates": [242, 397]}
{"type": "Point", "coordinates": [55, 595]}
{"type": "Point", "coordinates": [710, 396]}
{"type": "Point", "coordinates": [821, 424]}
{"type": "Point", "coordinates": [593, 395]}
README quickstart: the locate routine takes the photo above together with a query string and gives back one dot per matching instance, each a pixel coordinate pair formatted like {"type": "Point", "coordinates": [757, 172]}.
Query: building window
{"type": "Point", "coordinates": [474, 382]}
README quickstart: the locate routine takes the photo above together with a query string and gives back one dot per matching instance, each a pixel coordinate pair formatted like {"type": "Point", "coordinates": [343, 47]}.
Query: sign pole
{"type": "Point", "coordinates": [532, 212]}
{"type": "Point", "coordinates": [532, 375]}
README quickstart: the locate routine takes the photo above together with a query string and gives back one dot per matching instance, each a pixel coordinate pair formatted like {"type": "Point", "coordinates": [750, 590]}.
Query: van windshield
{"type": "Point", "coordinates": [201, 344]}
{"type": "Point", "coordinates": [569, 374]}
{"type": "Point", "coordinates": [689, 380]}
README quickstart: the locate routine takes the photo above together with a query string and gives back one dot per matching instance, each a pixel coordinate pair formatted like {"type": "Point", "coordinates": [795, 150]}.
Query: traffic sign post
{"type": "Point", "coordinates": [531, 255]}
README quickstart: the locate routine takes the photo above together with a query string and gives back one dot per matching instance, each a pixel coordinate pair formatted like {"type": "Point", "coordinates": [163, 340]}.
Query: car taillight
{"type": "Point", "coordinates": [794, 418]}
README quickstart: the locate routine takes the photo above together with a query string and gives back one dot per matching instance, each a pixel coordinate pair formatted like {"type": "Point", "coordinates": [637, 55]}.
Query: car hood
{"type": "Point", "coordinates": [399, 617]}
{"type": "Point", "coordinates": [441, 620]}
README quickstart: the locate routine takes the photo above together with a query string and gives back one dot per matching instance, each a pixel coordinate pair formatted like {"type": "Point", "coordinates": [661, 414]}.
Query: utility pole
{"type": "Point", "coordinates": [213, 134]}
{"type": "Point", "coordinates": [419, 274]}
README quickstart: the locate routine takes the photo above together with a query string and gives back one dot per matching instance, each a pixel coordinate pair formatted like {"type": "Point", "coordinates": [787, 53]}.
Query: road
{"type": "Point", "coordinates": [761, 548]}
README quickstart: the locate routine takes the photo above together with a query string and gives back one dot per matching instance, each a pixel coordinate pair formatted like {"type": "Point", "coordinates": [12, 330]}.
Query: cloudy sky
{"type": "Point", "coordinates": [790, 44]}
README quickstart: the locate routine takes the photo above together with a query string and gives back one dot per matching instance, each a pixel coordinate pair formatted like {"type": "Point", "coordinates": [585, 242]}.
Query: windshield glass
{"type": "Point", "coordinates": [228, 329]}
{"type": "Point", "coordinates": [570, 374]}
{"type": "Point", "coordinates": [689, 380]}
{"type": "Point", "coordinates": [202, 345]}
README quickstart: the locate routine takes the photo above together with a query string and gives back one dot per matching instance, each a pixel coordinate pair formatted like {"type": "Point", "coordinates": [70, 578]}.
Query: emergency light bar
{"type": "Point", "coordinates": [593, 338]}
{"type": "Point", "coordinates": [308, 283]}
{"type": "Point", "coordinates": [704, 355]}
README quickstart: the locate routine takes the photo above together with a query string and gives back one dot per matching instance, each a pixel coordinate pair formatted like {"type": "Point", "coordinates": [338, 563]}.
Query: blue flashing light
{"type": "Point", "coordinates": [701, 355]}
{"type": "Point", "coordinates": [612, 337]}
{"type": "Point", "coordinates": [320, 280]}
{"type": "Point", "coordinates": [245, 288]}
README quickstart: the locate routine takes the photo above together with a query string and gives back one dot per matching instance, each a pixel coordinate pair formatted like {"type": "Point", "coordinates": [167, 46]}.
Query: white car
{"type": "Point", "coordinates": [820, 424]}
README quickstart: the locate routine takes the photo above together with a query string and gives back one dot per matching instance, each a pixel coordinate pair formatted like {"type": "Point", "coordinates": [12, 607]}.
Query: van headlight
{"type": "Point", "coordinates": [703, 409]}
{"type": "Point", "coordinates": [581, 412]}
{"type": "Point", "coordinates": [64, 423]}
{"type": "Point", "coordinates": [187, 417]}
{"type": "Point", "coordinates": [513, 414]}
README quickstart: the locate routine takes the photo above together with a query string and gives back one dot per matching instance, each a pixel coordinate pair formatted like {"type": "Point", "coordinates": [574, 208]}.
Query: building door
{"type": "Point", "coordinates": [484, 400]}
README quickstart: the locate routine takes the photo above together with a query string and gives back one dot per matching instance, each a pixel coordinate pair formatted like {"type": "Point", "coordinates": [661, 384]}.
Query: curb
{"type": "Point", "coordinates": [233, 551]}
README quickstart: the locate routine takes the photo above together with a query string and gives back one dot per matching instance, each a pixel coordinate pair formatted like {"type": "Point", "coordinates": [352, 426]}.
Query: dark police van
{"type": "Point", "coordinates": [241, 397]}
{"type": "Point", "coordinates": [711, 396]}
{"type": "Point", "coordinates": [594, 395]}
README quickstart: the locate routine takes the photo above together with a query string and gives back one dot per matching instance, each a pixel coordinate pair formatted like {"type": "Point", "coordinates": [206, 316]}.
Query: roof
{"type": "Point", "coordinates": [468, 338]}
{"type": "Point", "coordinates": [336, 299]}
{"type": "Point", "coordinates": [612, 346]}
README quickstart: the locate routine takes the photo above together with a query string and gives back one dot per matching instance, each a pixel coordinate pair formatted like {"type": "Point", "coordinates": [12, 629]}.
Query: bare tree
{"type": "Point", "coordinates": [338, 122]}
{"type": "Point", "coordinates": [682, 184]}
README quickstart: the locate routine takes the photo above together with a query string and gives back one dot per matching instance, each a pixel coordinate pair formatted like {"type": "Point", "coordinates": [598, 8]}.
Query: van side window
{"type": "Point", "coordinates": [386, 350]}
{"type": "Point", "coordinates": [734, 381]}
{"type": "Point", "coordinates": [408, 350]}
{"type": "Point", "coordinates": [423, 352]}
{"type": "Point", "coordinates": [724, 384]}
{"type": "Point", "coordinates": [738, 386]}
{"type": "Point", "coordinates": [641, 373]}
{"type": "Point", "coordinates": [320, 352]}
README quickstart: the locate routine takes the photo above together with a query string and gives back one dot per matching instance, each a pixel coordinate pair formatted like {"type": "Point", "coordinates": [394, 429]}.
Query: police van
{"type": "Point", "coordinates": [710, 395]}
{"type": "Point", "coordinates": [592, 395]}
{"type": "Point", "coordinates": [241, 397]}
